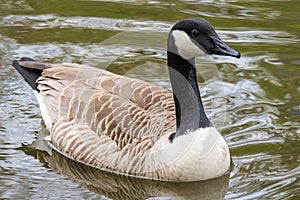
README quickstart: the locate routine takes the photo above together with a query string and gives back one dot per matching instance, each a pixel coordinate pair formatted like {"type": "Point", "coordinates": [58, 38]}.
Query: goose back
{"type": "Point", "coordinates": [101, 114]}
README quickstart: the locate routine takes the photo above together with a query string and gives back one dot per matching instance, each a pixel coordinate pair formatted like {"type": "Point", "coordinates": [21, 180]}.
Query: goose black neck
{"type": "Point", "coordinates": [190, 114]}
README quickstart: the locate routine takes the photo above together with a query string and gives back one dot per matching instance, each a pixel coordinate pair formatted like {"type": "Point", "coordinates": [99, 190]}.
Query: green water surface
{"type": "Point", "coordinates": [254, 101]}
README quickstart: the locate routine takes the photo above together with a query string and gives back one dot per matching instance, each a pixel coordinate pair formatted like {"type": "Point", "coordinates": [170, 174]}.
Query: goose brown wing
{"type": "Point", "coordinates": [124, 110]}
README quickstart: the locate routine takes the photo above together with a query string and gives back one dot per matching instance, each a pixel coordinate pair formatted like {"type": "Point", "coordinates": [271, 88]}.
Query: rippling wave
{"type": "Point", "coordinates": [254, 101]}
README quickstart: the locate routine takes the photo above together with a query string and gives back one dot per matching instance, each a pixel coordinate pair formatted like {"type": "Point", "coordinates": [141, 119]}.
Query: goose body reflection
{"type": "Point", "coordinates": [131, 127]}
{"type": "Point", "coordinates": [124, 187]}
{"type": "Point", "coordinates": [114, 186]}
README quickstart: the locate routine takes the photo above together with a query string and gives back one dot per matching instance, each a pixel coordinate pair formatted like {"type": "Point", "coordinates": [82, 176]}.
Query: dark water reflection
{"type": "Point", "coordinates": [122, 187]}
{"type": "Point", "coordinates": [254, 101]}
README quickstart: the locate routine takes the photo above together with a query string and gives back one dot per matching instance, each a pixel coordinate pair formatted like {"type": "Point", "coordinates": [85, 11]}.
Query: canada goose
{"type": "Point", "coordinates": [131, 127]}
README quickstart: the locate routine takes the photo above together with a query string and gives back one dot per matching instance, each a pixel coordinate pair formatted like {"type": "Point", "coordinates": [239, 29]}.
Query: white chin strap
{"type": "Point", "coordinates": [186, 48]}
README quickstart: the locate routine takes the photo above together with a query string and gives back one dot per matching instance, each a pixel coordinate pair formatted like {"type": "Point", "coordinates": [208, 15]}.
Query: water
{"type": "Point", "coordinates": [254, 101]}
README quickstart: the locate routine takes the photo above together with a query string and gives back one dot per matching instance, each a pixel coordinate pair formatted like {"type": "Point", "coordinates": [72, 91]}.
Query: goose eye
{"type": "Point", "coordinates": [194, 32]}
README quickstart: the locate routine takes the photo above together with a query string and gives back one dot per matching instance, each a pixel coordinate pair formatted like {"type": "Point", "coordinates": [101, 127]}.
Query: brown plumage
{"type": "Point", "coordinates": [115, 114]}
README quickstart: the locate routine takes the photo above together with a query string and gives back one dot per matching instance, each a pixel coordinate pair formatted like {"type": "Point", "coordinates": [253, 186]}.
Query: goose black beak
{"type": "Point", "coordinates": [221, 48]}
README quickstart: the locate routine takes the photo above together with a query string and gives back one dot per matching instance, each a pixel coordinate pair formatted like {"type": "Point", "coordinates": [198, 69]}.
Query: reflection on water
{"type": "Point", "coordinates": [122, 187]}
{"type": "Point", "coordinates": [254, 101]}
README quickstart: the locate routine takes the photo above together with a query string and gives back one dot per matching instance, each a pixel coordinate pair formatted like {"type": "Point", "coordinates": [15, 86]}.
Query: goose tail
{"type": "Point", "coordinates": [30, 70]}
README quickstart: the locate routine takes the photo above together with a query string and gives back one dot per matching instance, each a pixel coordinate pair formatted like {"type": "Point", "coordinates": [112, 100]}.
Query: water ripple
{"type": "Point", "coordinates": [52, 21]}
{"type": "Point", "coordinates": [226, 9]}
{"type": "Point", "coordinates": [254, 101]}
{"type": "Point", "coordinates": [259, 36]}
{"type": "Point", "coordinates": [273, 181]}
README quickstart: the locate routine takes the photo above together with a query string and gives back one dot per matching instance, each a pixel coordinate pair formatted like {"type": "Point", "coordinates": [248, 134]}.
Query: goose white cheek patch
{"type": "Point", "coordinates": [186, 48]}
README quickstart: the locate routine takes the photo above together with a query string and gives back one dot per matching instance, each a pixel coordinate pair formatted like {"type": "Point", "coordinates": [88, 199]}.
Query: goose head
{"type": "Point", "coordinates": [195, 36]}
